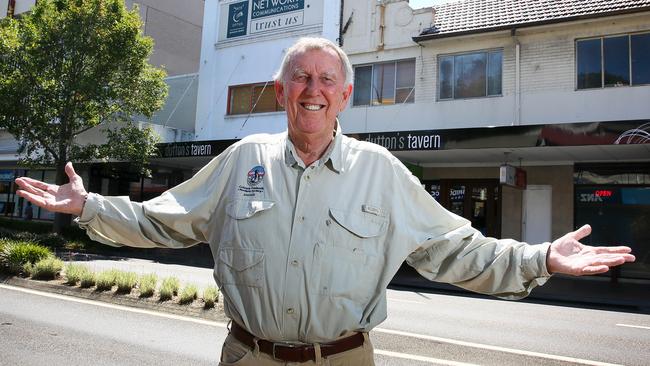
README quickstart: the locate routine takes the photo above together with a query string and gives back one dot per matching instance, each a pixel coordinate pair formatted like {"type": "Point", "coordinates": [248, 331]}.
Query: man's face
{"type": "Point", "coordinates": [313, 92]}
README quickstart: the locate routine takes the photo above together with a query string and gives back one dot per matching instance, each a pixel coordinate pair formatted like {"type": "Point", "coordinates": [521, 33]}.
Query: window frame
{"type": "Point", "coordinates": [251, 104]}
{"type": "Point", "coordinates": [372, 66]}
{"type": "Point", "coordinates": [487, 53]}
{"type": "Point", "coordinates": [602, 60]}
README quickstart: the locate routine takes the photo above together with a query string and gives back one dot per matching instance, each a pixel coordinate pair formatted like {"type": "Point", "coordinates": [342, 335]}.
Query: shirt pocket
{"type": "Point", "coordinates": [244, 209]}
{"type": "Point", "coordinates": [352, 261]}
{"type": "Point", "coordinates": [242, 267]}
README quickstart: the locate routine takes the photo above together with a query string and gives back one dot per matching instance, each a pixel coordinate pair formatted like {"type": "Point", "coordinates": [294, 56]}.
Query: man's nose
{"type": "Point", "coordinates": [313, 87]}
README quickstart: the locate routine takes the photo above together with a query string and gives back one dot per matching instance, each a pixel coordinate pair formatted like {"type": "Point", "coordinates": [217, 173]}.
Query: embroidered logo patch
{"type": "Point", "coordinates": [255, 176]}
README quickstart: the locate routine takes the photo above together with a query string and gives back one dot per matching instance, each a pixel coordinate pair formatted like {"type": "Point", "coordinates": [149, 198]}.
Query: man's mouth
{"type": "Point", "coordinates": [312, 107]}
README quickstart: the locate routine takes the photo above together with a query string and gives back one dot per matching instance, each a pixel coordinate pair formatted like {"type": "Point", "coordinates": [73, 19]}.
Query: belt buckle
{"type": "Point", "coordinates": [276, 344]}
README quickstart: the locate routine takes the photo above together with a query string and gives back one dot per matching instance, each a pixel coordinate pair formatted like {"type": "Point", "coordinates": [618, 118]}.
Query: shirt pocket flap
{"type": "Point", "coordinates": [361, 224]}
{"type": "Point", "coordinates": [243, 209]}
{"type": "Point", "coordinates": [240, 259]}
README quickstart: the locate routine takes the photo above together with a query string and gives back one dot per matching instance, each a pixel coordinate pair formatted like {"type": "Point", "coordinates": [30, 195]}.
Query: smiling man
{"type": "Point", "coordinates": [308, 227]}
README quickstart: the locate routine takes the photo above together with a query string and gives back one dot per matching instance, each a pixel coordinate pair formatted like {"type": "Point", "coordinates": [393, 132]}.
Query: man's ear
{"type": "Point", "coordinates": [279, 92]}
{"type": "Point", "coordinates": [346, 96]}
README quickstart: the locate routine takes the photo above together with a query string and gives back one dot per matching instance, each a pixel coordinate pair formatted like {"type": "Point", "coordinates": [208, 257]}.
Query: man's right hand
{"type": "Point", "coordinates": [68, 198]}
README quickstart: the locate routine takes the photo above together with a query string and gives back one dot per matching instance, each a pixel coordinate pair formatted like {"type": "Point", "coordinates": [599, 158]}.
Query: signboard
{"type": "Point", "coordinates": [193, 149]}
{"type": "Point", "coordinates": [237, 19]}
{"type": "Point", "coordinates": [258, 16]}
{"type": "Point", "coordinates": [404, 141]}
{"type": "Point", "coordinates": [511, 176]}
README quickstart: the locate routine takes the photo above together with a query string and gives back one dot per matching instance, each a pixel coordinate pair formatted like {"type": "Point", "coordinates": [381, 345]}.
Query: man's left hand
{"type": "Point", "coordinates": [567, 255]}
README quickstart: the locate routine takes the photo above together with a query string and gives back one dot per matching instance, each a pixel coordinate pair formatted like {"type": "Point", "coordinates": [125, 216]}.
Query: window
{"type": "Point", "coordinates": [384, 83]}
{"type": "Point", "coordinates": [613, 61]}
{"type": "Point", "coordinates": [470, 75]}
{"type": "Point", "coordinates": [253, 98]}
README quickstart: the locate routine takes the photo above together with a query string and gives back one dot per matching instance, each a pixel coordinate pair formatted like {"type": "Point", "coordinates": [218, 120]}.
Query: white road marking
{"type": "Point", "coordinates": [117, 307]}
{"type": "Point", "coordinates": [377, 351]}
{"type": "Point", "coordinates": [494, 348]}
{"type": "Point", "coordinates": [633, 326]}
{"type": "Point", "coordinates": [407, 356]}
{"type": "Point", "coordinates": [410, 301]}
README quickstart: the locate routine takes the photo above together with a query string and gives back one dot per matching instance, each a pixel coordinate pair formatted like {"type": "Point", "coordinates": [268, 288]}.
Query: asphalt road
{"type": "Point", "coordinates": [422, 329]}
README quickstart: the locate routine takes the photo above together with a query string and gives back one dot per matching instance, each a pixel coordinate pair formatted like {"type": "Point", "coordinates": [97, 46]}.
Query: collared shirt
{"type": "Point", "coordinates": [305, 253]}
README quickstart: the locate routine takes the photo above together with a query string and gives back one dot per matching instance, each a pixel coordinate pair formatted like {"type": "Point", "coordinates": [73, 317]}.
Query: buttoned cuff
{"type": "Point", "coordinates": [534, 262]}
{"type": "Point", "coordinates": [92, 206]}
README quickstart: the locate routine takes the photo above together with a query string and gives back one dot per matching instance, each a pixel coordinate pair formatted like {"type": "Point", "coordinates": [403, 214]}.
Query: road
{"type": "Point", "coordinates": [421, 329]}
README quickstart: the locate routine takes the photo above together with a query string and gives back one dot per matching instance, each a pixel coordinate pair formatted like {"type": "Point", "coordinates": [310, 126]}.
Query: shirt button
{"type": "Point", "coordinates": [328, 222]}
{"type": "Point", "coordinates": [313, 167]}
{"type": "Point", "coordinates": [294, 262]}
{"type": "Point", "coordinates": [307, 177]}
{"type": "Point", "coordinates": [290, 311]}
{"type": "Point", "coordinates": [302, 218]}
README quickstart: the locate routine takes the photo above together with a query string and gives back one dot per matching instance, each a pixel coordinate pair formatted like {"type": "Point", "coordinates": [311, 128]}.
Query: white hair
{"type": "Point", "coordinates": [313, 43]}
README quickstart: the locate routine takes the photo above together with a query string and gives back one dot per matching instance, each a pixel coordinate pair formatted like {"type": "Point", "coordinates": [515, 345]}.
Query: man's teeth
{"type": "Point", "coordinates": [313, 107]}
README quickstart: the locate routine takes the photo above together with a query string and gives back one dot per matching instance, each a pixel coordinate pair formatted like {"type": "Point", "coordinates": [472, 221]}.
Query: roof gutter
{"type": "Point", "coordinates": [428, 37]}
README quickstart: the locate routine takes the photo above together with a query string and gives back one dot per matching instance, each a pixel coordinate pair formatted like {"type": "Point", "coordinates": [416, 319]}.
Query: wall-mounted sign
{"type": "Point", "coordinates": [512, 176]}
{"type": "Point", "coordinates": [191, 149]}
{"type": "Point", "coordinates": [237, 19]}
{"type": "Point", "coordinates": [258, 16]}
{"type": "Point", "coordinates": [268, 15]}
{"type": "Point", "coordinates": [404, 141]}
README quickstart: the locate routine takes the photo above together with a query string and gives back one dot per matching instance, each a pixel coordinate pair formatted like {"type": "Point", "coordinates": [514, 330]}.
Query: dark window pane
{"type": "Point", "coordinates": [362, 82]}
{"type": "Point", "coordinates": [470, 75]}
{"type": "Point", "coordinates": [589, 68]}
{"type": "Point", "coordinates": [446, 75]}
{"type": "Point", "coordinates": [494, 72]}
{"type": "Point", "coordinates": [641, 59]}
{"type": "Point", "coordinates": [383, 84]}
{"type": "Point", "coordinates": [264, 98]}
{"type": "Point", "coordinates": [405, 74]}
{"type": "Point", "coordinates": [240, 99]}
{"type": "Point", "coordinates": [616, 58]}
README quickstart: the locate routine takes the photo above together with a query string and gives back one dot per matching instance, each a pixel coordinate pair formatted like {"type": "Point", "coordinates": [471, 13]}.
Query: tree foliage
{"type": "Point", "coordinates": [73, 65]}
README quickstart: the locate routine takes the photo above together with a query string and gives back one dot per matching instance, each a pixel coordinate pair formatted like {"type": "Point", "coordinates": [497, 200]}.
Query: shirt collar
{"type": "Point", "coordinates": [331, 157]}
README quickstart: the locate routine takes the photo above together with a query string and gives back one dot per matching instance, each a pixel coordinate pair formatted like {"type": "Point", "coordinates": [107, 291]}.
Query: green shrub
{"type": "Point", "coordinates": [189, 294]}
{"type": "Point", "coordinates": [169, 288]}
{"type": "Point", "coordinates": [15, 254]}
{"type": "Point", "coordinates": [147, 284]}
{"type": "Point", "coordinates": [210, 296]}
{"type": "Point", "coordinates": [105, 280]}
{"type": "Point", "coordinates": [52, 240]}
{"type": "Point", "coordinates": [37, 227]}
{"type": "Point", "coordinates": [73, 273]}
{"type": "Point", "coordinates": [28, 269]}
{"type": "Point", "coordinates": [87, 279]}
{"type": "Point", "coordinates": [47, 269]}
{"type": "Point", "coordinates": [125, 281]}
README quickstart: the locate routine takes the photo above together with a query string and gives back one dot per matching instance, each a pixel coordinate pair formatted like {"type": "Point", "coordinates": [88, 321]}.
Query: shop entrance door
{"type": "Point", "coordinates": [477, 200]}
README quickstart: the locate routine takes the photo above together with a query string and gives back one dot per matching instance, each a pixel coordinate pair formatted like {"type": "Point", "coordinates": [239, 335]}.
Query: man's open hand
{"type": "Point", "coordinates": [567, 255]}
{"type": "Point", "coordinates": [68, 198]}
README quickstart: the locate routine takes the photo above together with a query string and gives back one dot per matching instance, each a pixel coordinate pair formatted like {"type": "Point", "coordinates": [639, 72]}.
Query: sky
{"type": "Point", "coordinates": [417, 4]}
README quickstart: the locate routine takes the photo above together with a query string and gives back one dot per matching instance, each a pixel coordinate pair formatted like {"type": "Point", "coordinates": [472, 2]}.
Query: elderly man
{"type": "Point", "coordinates": [308, 227]}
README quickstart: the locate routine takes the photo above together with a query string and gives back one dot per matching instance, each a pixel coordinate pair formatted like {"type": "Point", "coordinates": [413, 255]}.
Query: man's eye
{"type": "Point", "coordinates": [300, 78]}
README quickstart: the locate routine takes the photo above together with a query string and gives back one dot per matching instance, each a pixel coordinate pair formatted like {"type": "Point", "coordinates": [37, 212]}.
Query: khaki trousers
{"type": "Point", "coordinates": [235, 353]}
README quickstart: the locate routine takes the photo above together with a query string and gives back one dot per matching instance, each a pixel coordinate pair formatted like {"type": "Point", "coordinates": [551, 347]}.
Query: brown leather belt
{"type": "Point", "coordinates": [296, 353]}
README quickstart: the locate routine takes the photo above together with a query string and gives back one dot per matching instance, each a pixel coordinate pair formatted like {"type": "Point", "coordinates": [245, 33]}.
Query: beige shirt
{"type": "Point", "coordinates": [305, 253]}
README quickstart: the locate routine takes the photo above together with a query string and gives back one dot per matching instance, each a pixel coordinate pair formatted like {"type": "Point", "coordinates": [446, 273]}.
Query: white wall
{"type": "Point", "coordinates": [246, 60]}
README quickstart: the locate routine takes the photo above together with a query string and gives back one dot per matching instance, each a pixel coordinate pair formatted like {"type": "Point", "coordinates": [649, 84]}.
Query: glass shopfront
{"type": "Point", "coordinates": [474, 199]}
{"type": "Point", "coordinates": [615, 201]}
